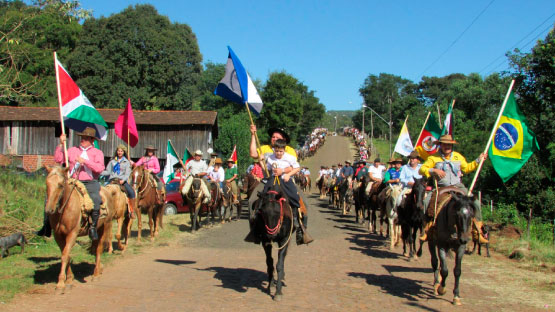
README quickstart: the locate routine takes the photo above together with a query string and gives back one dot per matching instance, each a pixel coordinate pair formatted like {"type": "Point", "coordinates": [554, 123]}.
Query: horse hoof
{"type": "Point", "coordinates": [95, 279]}
{"type": "Point", "coordinates": [436, 286]}
{"type": "Point", "coordinates": [68, 288]}
{"type": "Point", "coordinates": [441, 290]}
{"type": "Point", "coordinates": [457, 301]}
{"type": "Point", "coordinates": [277, 297]}
{"type": "Point", "coordinates": [59, 291]}
{"type": "Point", "coordinates": [152, 238]}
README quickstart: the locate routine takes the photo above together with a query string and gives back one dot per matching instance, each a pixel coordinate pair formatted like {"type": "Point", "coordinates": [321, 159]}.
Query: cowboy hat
{"type": "Point", "coordinates": [348, 162]}
{"type": "Point", "coordinates": [230, 160]}
{"type": "Point", "coordinates": [447, 139]}
{"type": "Point", "coordinates": [198, 152]}
{"type": "Point", "coordinates": [280, 131]}
{"type": "Point", "coordinates": [89, 132]}
{"type": "Point", "coordinates": [394, 160]}
{"type": "Point", "coordinates": [218, 161]}
{"type": "Point", "coordinates": [150, 147]}
{"type": "Point", "coordinates": [414, 154]}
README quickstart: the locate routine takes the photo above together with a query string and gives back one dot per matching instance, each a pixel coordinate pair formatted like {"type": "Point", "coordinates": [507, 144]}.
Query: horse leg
{"type": "Point", "coordinates": [269, 265]}
{"type": "Point", "coordinates": [238, 208]}
{"type": "Point", "coordinates": [159, 214]}
{"type": "Point", "coordinates": [139, 224]}
{"type": "Point", "coordinates": [65, 245]}
{"type": "Point", "coordinates": [444, 270]}
{"type": "Point", "coordinates": [434, 261]}
{"type": "Point", "coordinates": [457, 272]}
{"type": "Point", "coordinates": [98, 248]}
{"type": "Point", "coordinates": [192, 216]}
{"type": "Point", "coordinates": [280, 271]}
{"type": "Point", "coordinates": [119, 231]}
{"type": "Point", "coordinates": [69, 277]}
{"type": "Point", "coordinates": [151, 222]}
{"type": "Point", "coordinates": [392, 234]}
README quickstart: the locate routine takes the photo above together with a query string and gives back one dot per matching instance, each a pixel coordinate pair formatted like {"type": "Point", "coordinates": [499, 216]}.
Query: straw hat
{"type": "Point", "coordinates": [198, 152]}
{"type": "Point", "coordinates": [218, 161]}
{"type": "Point", "coordinates": [151, 147]}
{"type": "Point", "coordinates": [447, 139]}
{"type": "Point", "coordinates": [414, 154]}
{"type": "Point", "coordinates": [230, 160]}
{"type": "Point", "coordinates": [89, 132]}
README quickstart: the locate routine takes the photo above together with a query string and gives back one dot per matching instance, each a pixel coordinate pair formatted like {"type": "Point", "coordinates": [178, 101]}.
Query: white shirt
{"type": "Point", "coordinates": [377, 173]}
{"type": "Point", "coordinates": [196, 167]}
{"type": "Point", "coordinates": [216, 176]}
{"type": "Point", "coordinates": [285, 161]}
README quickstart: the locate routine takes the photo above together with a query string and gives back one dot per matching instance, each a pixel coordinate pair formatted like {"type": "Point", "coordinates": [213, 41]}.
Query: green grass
{"type": "Point", "coordinates": [382, 148]}
{"type": "Point", "coordinates": [22, 203]}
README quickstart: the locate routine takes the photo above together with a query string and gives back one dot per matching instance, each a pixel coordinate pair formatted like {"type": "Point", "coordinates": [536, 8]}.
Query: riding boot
{"type": "Point", "coordinates": [92, 230]}
{"type": "Point", "coordinates": [45, 231]}
{"type": "Point", "coordinates": [426, 231]}
{"type": "Point", "coordinates": [479, 225]}
{"type": "Point", "coordinates": [131, 207]}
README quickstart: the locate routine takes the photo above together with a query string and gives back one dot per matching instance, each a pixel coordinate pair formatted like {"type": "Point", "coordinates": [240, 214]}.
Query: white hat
{"type": "Point", "coordinates": [198, 152]}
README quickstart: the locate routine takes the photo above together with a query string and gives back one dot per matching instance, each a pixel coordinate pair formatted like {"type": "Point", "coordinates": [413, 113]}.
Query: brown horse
{"type": "Point", "coordinates": [121, 214]}
{"type": "Point", "coordinates": [227, 204]}
{"type": "Point", "coordinates": [145, 190]}
{"type": "Point", "coordinates": [194, 198]}
{"type": "Point", "coordinates": [64, 203]}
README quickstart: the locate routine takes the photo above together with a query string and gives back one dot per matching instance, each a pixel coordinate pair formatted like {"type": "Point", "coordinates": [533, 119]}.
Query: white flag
{"type": "Point", "coordinates": [404, 144]}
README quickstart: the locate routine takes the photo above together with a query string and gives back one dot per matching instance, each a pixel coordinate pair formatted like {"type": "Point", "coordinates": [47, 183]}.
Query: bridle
{"type": "Point", "coordinates": [277, 228]}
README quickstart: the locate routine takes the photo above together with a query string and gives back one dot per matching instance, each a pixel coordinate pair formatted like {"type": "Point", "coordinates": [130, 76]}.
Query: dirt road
{"type": "Point", "coordinates": [345, 269]}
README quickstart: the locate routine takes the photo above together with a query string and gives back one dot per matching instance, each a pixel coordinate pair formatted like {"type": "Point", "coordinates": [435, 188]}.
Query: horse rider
{"type": "Point", "coordinates": [446, 166]}
{"type": "Point", "coordinates": [345, 172]}
{"type": "Point", "coordinates": [361, 170]}
{"type": "Point", "coordinates": [279, 161]}
{"type": "Point", "coordinates": [338, 171]}
{"type": "Point", "coordinates": [85, 164]}
{"type": "Point", "coordinates": [231, 179]}
{"type": "Point", "coordinates": [198, 169]}
{"type": "Point", "coordinates": [216, 173]}
{"type": "Point", "coordinates": [151, 164]}
{"type": "Point", "coordinates": [409, 172]}
{"type": "Point", "coordinates": [257, 172]}
{"type": "Point", "coordinates": [393, 175]}
{"type": "Point", "coordinates": [212, 161]}
{"type": "Point", "coordinates": [376, 174]}
{"type": "Point", "coordinates": [119, 169]}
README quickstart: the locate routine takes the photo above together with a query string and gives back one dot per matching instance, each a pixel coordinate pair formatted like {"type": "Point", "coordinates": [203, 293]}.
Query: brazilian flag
{"type": "Point", "coordinates": [513, 143]}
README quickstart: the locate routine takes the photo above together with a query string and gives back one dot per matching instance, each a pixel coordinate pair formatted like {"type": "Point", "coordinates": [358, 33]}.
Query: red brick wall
{"type": "Point", "coordinates": [28, 162]}
{"type": "Point", "coordinates": [5, 160]}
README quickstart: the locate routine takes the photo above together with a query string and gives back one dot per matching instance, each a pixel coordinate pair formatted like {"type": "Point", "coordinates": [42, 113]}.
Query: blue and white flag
{"type": "Point", "coordinates": [237, 85]}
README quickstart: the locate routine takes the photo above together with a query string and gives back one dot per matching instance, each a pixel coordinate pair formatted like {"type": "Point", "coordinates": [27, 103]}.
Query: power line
{"type": "Point", "coordinates": [457, 39]}
{"type": "Point", "coordinates": [516, 44]}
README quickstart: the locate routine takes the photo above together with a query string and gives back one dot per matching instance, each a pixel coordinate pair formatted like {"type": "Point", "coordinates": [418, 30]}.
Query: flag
{"type": "Point", "coordinates": [77, 110]}
{"type": "Point", "coordinates": [126, 122]}
{"type": "Point", "coordinates": [171, 160]}
{"type": "Point", "coordinates": [404, 144]}
{"type": "Point", "coordinates": [234, 155]}
{"type": "Point", "coordinates": [513, 143]}
{"type": "Point", "coordinates": [187, 156]}
{"type": "Point", "coordinates": [426, 142]}
{"type": "Point", "coordinates": [237, 85]}
{"type": "Point", "coordinates": [448, 122]}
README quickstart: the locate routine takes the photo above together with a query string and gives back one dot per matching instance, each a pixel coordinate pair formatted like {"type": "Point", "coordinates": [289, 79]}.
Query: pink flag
{"type": "Point", "coordinates": [125, 122]}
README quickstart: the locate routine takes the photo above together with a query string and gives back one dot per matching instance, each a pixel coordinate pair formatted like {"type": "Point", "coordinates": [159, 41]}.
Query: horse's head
{"type": "Point", "coordinates": [418, 192]}
{"type": "Point", "coordinates": [393, 197]}
{"type": "Point", "coordinates": [272, 209]}
{"type": "Point", "coordinates": [137, 177]}
{"type": "Point", "coordinates": [195, 192]}
{"type": "Point", "coordinates": [56, 180]}
{"type": "Point", "coordinates": [463, 210]}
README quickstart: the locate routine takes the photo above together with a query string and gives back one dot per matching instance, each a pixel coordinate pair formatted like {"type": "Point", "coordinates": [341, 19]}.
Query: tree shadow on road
{"type": "Point", "coordinates": [175, 262]}
{"type": "Point", "coordinates": [239, 279]}
{"type": "Point", "coordinates": [371, 245]}
{"type": "Point", "coordinates": [406, 288]}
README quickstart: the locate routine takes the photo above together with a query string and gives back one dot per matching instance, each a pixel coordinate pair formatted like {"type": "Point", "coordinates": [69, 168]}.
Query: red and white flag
{"type": "Point", "coordinates": [75, 108]}
{"type": "Point", "coordinates": [125, 126]}
{"type": "Point", "coordinates": [234, 155]}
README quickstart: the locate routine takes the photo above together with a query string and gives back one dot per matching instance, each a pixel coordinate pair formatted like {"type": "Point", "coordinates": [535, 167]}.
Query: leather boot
{"type": "Point", "coordinates": [426, 231]}
{"type": "Point", "coordinates": [45, 231]}
{"type": "Point", "coordinates": [479, 225]}
{"type": "Point", "coordinates": [131, 207]}
{"type": "Point", "coordinates": [94, 221]}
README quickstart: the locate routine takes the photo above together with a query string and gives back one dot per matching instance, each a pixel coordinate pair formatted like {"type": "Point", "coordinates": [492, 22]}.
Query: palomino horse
{"type": "Point", "coordinates": [411, 217]}
{"type": "Point", "coordinates": [145, 190]}
{"type": "Point", "coordinates": [194, 198]}
{"type": "Point", "coordinates": [323, 186]}
{"type": "Point", "coordinates": [119, 199]}
{"type": "Point", "coordinates": [228, 204]}
{"type": "Point", "coordinates": [457, 213]}
{"type": "Point", "coordinates": [274, 223]}
{"type": "Point", "coordinates": [64, 202]}
{"type": "Point", "coordinates": [393, 199]}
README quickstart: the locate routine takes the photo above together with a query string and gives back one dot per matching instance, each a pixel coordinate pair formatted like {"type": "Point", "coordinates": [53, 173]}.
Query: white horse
{"type": "Point", "coordinates": [394, 197]}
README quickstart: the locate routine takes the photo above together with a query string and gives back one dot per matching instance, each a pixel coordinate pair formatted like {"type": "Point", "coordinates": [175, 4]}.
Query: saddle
{"type": "Point", "coordinates": [445, 194]}
{"type": "Point", "coordinates": [121, 187]}
{"type": "Point", "coordinates": [87, 204]}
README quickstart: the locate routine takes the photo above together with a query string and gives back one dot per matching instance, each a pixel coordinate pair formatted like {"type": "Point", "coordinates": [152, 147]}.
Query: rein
{"type": "Point", "coordinates": [277, 228]}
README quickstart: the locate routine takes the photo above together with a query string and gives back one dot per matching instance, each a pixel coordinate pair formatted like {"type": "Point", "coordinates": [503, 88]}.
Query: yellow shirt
{"type": "Point", "coordinates": [266, 150]}
{"type": "Point", "coordinates": [452, 165]}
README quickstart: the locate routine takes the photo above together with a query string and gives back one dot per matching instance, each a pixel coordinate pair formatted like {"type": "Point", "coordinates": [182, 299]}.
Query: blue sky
{"type": "Point", "coordinates": [332, 46]}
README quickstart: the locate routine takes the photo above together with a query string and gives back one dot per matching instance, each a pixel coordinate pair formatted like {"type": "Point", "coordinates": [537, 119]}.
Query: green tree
{"type": "Point", "coordinates": [139, 54]}
{"type": "Point", "coordinates": [28, 36]}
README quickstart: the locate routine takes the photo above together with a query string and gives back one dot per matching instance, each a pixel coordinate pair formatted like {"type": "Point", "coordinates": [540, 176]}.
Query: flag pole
{"type": "Point", "coordinates": [423, 126]}
{"type": "Point", "coordinates": [128, 146]}
{"type": "Point", "coordinates": [491, 136]}
{"type": "Point", "coordinates": [257, 142]}
{"type": "Point", "coordinates": [438, 113]}
{"type": "Point", "coordinates": [178, 158]}
{"type": "Point", "coordinates": [60, 106]}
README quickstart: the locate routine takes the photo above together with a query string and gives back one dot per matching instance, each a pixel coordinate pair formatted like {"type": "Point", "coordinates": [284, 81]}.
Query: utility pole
{"type": "Point", "coordinates": [372, 133]}
{"type": "Point", "coordinates": [363, 119]}
{"type": "Point", "coordinates": [390, 124]}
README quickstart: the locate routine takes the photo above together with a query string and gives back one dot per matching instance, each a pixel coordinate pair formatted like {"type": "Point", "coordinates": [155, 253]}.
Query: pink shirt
{"type": "Point", "coordinates": [152, 163]}
{"type": "Point", "coordinates": [95, 162]}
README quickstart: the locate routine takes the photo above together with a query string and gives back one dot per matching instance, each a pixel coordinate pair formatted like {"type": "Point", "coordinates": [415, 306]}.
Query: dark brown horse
{"type": "Point", "coordinates": [250, 182]}
{"type": "Point", "coordinates": [374, 205]}
{"type": "Point", "coordinates": [273, 223]}
{"type": "Point", "coordinates": [194, 198]}
{"type": "Point", "coordinates": [64, 203]}
{"type": "Point", "coordinates": [457, 213]}
{"type": "Point", "coordinates": [411, 217]}
{"type": "Point", "coordinates": [145, 189]}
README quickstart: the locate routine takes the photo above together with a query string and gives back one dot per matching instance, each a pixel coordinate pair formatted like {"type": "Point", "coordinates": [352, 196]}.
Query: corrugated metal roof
{"type": "Point", "coordinates": [13, 113]}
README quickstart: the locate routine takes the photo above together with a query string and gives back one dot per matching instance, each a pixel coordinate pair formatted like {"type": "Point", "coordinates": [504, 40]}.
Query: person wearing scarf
{"type": "Point", "coordinates": [119, 168]}
{"type": "Point", "coordinates": [85, 164]}
{"type": "Point", "coordinates": [446, 166]}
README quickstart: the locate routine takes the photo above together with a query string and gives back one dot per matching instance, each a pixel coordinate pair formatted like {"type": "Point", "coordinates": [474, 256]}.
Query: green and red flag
{"type": "Point", "coordinates": [513, 144]}
{"type": "Point", "coordinates": [77, 111]}
{"type": "Point", "coordinates": [234, 155]}
{"type": "Point", "coordinates": [187, 156]}
{"type": "Point", "coordinates": [425, 146]}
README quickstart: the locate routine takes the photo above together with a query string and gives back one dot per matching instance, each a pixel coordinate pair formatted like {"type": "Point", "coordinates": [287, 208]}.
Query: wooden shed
{"type": "Point", "coordinates": [30, 134]}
